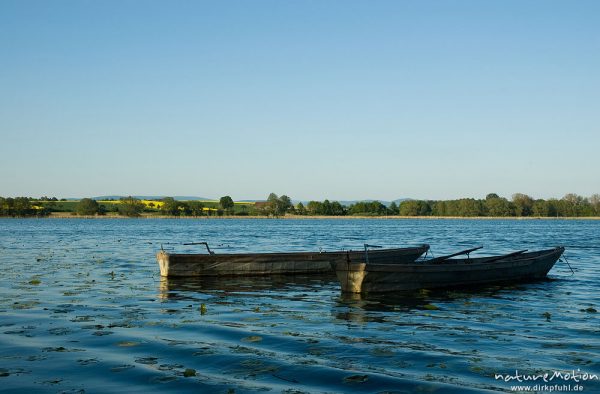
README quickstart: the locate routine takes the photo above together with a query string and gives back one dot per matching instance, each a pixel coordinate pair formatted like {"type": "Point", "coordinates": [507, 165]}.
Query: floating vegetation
{"type": "Point", "coordinates": [70, 293]}
{"type": "Point", "coordinates": [127, 344]}
{"type": "Point", "coordinates": [203, 309]}
{"type": "Point", "coordinates": [431, 307]}
{"type": "Point", "coordinates": [205, 351]}
{"type": "Point", "coordinates": [189, 372]}
{"type": "Point", "coordinates": [547, 315]}
{"type": "Point", "coordinates": [38, 357]}
{"type": "Point", "coordinates": [102, 333]}
{"type": "Point", "coordinates": [147, 360]}
{"type": "Point", "coordinates": [60, 331]}
{"type": "Point", "coordinates": [382, 352]}
{"type": "Point", "coordinates": [121, 368]}
{"type": "Point", "coordinates": [169, 367]}
{"type": "Point", "coordinates": [253, 338]}
{"type": "Point", "coordinates": [356, 379]}
{"type": "Point", "coordinates": [53, 381]}
{"type": "Point", "coordinates": [61, 349]}
{"type": "Point", "coordinates": [35, 281]}
{"type": "Point", "coordinates": [436, 365]}
{"type": "Point", "coordinates": [163, 379]}
{"type": "Point", "coordinates": [589, 310]}
{"type": "Point", "coordinates": [87, 318]}
{"type": "Point", "coordinates": [253, 367]}
{"type": "Point", "coordinates": [87, 361]}
{"type": "Point", "coordinates": [25, 304]}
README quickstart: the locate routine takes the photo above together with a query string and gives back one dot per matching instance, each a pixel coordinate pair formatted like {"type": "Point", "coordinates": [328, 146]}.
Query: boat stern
{"type": "Point", "coordinates": [351, 276]}
{"type": "Point", "coordinates": [162, 258]}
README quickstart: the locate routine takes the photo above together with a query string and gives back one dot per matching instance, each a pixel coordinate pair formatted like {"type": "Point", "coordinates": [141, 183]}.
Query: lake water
{"type": "Point", "coordinates": [83, 309]}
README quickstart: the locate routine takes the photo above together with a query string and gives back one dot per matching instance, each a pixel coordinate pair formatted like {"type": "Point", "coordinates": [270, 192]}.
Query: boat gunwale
{"type": "Point", "coordinates": [453, 264]}
{"type": "Point", "coordinates": [374, 252]}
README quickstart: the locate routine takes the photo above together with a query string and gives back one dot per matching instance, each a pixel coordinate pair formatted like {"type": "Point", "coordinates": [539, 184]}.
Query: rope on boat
{"type": "Point", "coordinates": [427, 253]}
{"type": "Point", "coordinates": [567, 261]}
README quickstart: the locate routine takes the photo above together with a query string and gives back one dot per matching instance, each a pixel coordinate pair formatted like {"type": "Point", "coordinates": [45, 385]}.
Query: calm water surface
{"type": "Point", "coordinates": [83, 309]}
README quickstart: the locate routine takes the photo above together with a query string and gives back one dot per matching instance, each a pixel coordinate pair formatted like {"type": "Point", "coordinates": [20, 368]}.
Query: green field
{"type": "Point", "coordinates": [211, 208]}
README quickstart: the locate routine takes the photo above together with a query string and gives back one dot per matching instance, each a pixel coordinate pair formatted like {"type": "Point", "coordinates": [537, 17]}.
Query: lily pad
{"type": "Point", "coordinates": [127, 344]}
{"type": "Point", "coordinates": [122, 368]}
{"type": "Point", "coordinates": [189, 372]}
{"type": "Point", "coordinates": [253, 338]}
{"type": "Point", "coordinates": [356, 379]}
{"type": "Point", "coordinates": [547, 315]}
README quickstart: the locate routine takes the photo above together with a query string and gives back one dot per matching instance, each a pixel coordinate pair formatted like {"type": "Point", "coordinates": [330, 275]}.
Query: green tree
{"type": "Point", "coordinates": [523, 204]}
{"type": "Point", "coordinates": [170, 206]}
{"type": "Point", "coordinates": [574, 205]}
{"type": "Point", "coordinates": [300, 209]}
{"type": "Point", "coordinates": [595, 203]}
{"type": "Point", "coordinates": [226, 203]}
{"type": "Point", "coordinates": [285, 204]}
{"type": "Point", "coordinates": [367, 208]}
{"type": "Point", "coordinates": [314, 207]}
{"type": "Point", "coordinates": [393, 208]}
{"type": "Point", "coordinates": [553, 207]}
{"type": "Point", "coordinates": [470, 207]}
{"type": "Point", "coordinates": [540, 208]}
{"type": "Point", "coordinates": [337, 209]}
{"type": "Point", "coordinates": [196, 208]}
{"type": "Point", "coordinates": [326, 208]}
{"type": "Point", "coordinates": [6, 206]}
{"type": "Point", "coordinates": [438, 208]}
{"type": "Point", "coordinates": [414, 208]}
{"type": "Point", "coordinates": [278, 206]}
{"type": "Point", "coordinates": [498, 207]}
{"type": "Point", "coordinates": [272, 202]}
{"type": "Point", "coordinates": [22, 207]}
{"type": "Point", "coordinates": [130, 207]}
{"type": "Point", "coordinates": [87, 207]}
{"type": "Point", "coordinates": [243, 210]}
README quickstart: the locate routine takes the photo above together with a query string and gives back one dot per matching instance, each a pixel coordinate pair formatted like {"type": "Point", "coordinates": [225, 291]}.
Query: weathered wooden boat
{"type": "Point", "coordinates": [372, 277]}
{"type": "Point", "coordinates": [231, 264]}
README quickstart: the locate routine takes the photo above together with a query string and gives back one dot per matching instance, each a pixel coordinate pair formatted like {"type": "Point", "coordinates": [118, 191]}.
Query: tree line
{"type": "Point", "coordinates": [21, 206]}
{"type": "Point", "coordinates": [520, 205]}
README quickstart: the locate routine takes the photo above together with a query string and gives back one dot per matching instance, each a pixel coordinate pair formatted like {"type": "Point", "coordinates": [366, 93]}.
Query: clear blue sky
{"type": "Point", "coordinates": [313, 99]}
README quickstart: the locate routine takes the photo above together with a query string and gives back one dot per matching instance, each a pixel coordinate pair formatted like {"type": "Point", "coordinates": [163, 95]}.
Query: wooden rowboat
{"type": "Point", "coordinates": [373, 277]}
{"type": "Point", "coordinates": [230, 264]}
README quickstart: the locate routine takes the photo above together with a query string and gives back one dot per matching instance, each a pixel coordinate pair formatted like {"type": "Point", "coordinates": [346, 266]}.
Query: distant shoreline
{"type": "Point", "coordinates": [68, 215]}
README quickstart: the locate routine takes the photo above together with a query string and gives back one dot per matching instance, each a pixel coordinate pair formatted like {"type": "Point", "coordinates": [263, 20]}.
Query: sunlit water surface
{"type": "Point", "coordinates": [83, 309]}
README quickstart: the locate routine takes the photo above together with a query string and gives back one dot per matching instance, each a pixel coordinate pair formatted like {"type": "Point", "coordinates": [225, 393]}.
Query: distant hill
{"type": "Point", "coordinates": [386, 203]}
{"type": "Point", "coordinates": [350, 202]}
{"type": "Point", "coordinates": [178, 198]}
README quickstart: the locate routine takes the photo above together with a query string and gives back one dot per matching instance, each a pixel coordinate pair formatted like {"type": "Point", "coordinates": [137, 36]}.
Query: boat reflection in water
{"type": "Point", "coordinates": [379, 307]}
{"type": "Point", "coordinates": [195, 288]}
